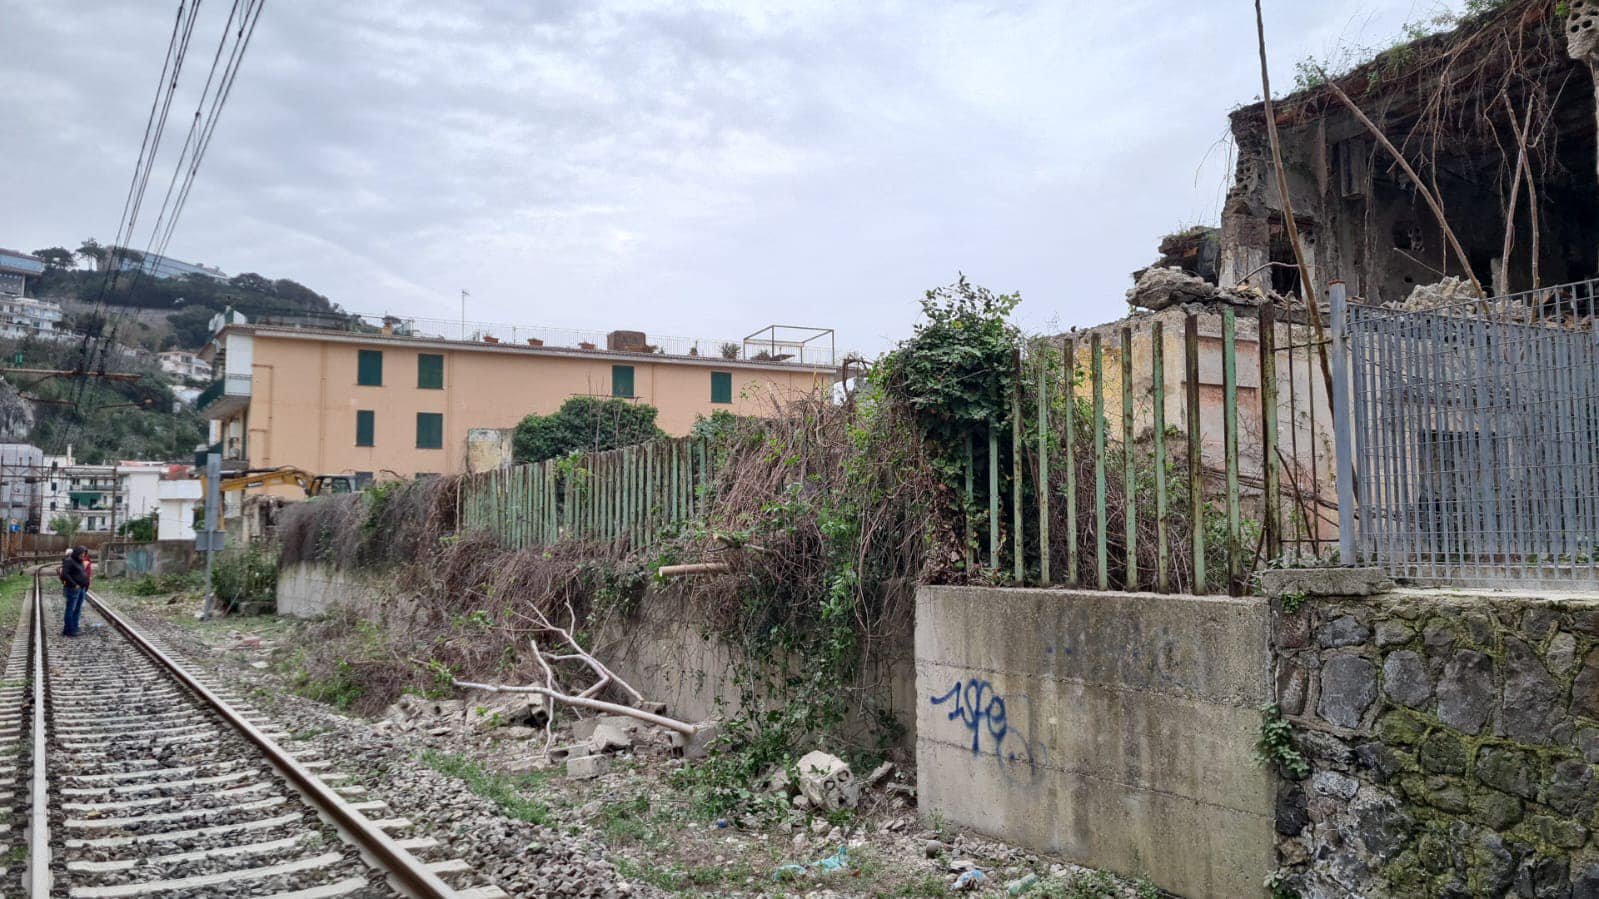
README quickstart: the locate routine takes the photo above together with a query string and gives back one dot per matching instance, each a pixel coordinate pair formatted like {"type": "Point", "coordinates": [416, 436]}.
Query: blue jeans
{"type": "Point", "coordinates": [74, 597]}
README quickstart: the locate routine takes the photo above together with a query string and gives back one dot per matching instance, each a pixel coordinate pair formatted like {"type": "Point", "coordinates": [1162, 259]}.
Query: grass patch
{"type": "Point", "coordinates": [686, 878]}
{"type": "Point", "coordinates": [509, 791]}
{"type": "Point", "coordinates": [14, 590]}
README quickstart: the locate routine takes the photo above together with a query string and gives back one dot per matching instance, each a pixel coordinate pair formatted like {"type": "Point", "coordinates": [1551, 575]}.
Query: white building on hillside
{"type": "Point", "coordinates": [185, 365]}
{"type": "Point", "coordinates": [101, 498]}
{"type": "Point", "coordinates": [27, 317]}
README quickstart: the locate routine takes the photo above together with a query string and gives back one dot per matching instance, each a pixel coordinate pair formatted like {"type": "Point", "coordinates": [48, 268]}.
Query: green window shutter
{"type": "Point", "coordinates": [430, 371]}
{"type": "Point", "coordinates": [429, 430]}
{"type": "Point", "coordinates": [721, 387]}
{"type": "Point", "coordinates": [369, 368]}
{"type": "Point", "coordinates": [365, 421]}
{"type": "Point", "coordinates": [621, 380]}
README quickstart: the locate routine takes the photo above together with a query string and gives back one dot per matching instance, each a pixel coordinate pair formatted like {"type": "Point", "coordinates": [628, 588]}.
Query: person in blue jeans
{"type": "Point", "coordinates": [75, 582]}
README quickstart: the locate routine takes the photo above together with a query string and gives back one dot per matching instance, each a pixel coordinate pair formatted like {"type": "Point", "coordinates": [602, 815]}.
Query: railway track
{"type": "Point", "coordinates": [126, 774]}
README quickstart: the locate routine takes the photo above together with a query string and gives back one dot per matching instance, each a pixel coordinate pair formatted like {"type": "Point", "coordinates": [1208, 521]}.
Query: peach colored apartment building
{"type": "Point", "coordinates": [383, 404]}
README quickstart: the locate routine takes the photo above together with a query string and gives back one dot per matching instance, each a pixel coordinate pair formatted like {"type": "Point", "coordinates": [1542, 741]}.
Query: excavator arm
{"type": "Point", "coordinates": [313, 485]}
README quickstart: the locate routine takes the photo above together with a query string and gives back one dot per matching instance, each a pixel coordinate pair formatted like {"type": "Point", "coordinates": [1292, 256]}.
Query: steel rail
{"type": "Point", "coordinates": [39, 786]}
{"type": "Point", "coordinates": [406, 873]}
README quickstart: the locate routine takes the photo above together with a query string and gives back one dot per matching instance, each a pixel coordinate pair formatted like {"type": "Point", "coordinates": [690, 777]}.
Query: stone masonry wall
{"type": "Point", "coordinates": [1451, 739]}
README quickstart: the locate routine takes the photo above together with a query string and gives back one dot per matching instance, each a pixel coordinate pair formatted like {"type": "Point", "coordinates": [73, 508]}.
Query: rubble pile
{"type": "Point", "coordinates": [516, 717]}
{"type": "Point", "coordinates": [1162, 287]}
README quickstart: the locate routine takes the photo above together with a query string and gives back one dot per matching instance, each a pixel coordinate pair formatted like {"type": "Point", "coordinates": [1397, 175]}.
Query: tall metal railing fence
{"type": "Point", "coordinates": [632, 493]}
{"type": "Point", "coordinates": [1471, 455]}
{"type": "Point", "coordinates": [1157, 454]}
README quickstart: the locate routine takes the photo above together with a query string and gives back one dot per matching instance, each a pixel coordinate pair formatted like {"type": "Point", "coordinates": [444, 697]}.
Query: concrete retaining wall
{"type": "Point", "coordinates": [158, 557]}
{"type": "Point", "coordinates": [310, 589]}
{"type": "Point", "coordinates": [1115, 729]}
{"type": "Point", "coordinates": [664, 649]}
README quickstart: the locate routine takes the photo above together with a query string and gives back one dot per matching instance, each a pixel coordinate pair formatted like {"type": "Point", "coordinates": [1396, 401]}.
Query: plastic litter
{"type": "Point", "coordinates": [835, 862]}
{"type": "Point", "coordinates": [970, 879]}
{"type": "Point", "coordinates": [838, 861]}
{"type": "Point", "coordinates": [788, 872]}
{"type": "Point", "coordinates": [1018, 887]}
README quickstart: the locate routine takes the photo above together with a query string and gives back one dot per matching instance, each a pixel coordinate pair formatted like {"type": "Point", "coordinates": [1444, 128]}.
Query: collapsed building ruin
{"type": "Point", "coordinates": [1497, 119]}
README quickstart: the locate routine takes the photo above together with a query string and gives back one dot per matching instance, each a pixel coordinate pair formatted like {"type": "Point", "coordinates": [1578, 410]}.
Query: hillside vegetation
{"type": "Point", "coordinates": [165, 313]}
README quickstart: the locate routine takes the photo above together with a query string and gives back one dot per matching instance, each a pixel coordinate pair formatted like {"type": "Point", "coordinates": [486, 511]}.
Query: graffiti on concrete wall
{"type": "Point", "coordinates": [982, 711]}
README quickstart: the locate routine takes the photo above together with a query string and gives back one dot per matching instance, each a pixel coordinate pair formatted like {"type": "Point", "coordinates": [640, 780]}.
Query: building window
{"type": "Point", "coordinates": [622, 380]}
{"type": "Point", "coordinates": [430, 430]}
{"type": "Point", "coordinates": [430, 371]}
{"type": "Point", "coordinates": [721, 387]}
{"type": "Point", "coordinates": [364, 426]}
{"type": "Point", "coordinates": [369, 368]}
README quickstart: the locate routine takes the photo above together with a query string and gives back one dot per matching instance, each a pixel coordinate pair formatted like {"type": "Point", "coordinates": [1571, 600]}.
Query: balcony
{"type": "Point", "coordinates": [226, 397]}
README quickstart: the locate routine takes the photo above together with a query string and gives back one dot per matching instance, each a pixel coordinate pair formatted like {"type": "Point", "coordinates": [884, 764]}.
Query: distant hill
{"type": "Point", "coordinates": [171, 312]}
{"type": "Point", "coordinates": [108, 420]}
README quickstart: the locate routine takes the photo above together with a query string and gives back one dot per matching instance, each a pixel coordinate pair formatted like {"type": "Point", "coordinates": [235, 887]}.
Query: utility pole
{"type": "Point", "coordinates": [209, 541]}
{"type": "Point", "coordinates": [464, 295]}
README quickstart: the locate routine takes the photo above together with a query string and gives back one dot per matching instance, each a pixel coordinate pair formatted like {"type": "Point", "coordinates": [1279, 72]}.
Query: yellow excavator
{"type": "Point", "coordinates": [313, 485]}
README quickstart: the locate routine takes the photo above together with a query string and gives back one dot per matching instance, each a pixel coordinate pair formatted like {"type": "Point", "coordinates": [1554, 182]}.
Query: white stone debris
{"type": "Point", "coordinates": [827, 781]}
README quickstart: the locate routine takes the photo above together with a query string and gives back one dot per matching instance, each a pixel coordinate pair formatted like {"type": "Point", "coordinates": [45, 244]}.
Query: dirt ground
{"type": "Point", "coordinates": [645, 821]}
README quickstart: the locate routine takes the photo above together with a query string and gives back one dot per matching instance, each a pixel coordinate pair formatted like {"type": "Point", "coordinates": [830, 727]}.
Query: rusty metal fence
{"type": "Point", "coordinates": [1176, 451]}
{"type": "Point", "coordinates": [1470, 449]}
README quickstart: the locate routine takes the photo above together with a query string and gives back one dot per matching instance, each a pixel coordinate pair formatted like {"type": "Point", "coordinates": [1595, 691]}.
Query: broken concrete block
{"type": "Point", "coordinates": [608, 738]}
{"type": "Point", "coordinates": [562, 753]}
{"type": "Point", "coordinates": [583, 728]}
{"type": "Point", "coordinates": [827, 781]}
{"type": "Point", "coordinates": [879, 774]}
{"type": "Point", "coordinates": [778, 782]}
{"type": "Point", "coordinates": [695, 745]}
{"type": "Point", "coordinates": [587, 767]}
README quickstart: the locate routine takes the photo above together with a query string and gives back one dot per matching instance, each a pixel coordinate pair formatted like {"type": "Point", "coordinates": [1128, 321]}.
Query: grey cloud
{"type": "Point", "coordinates": [687, 168]}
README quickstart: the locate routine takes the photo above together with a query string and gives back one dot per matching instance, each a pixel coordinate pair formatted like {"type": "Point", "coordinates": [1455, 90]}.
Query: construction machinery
{"type": "Point", "coordinates": [287, 475]}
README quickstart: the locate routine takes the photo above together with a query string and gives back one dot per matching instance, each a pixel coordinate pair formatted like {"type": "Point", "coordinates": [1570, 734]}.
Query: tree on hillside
{"type": "Point", "coordinates": [91, 252]}
{"type": "Point", "coordinates": [584, 424]}
{"type": "Point", "coordinates": [56, 258]}
{"type": "Point", "coordinates": [251, 281]}
{"type": "Point", "coordinates": [191, 327]}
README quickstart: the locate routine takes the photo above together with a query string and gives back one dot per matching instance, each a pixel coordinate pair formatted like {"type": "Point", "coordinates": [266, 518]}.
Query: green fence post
{"type": "Point", "coordinates": [1129, 481]}
{"type": "Point", "coordinates": [1097, 376]}
{"type": "Point", "coordinates": [624, 495]}
{"type": "Point", "coordinates": [969, 538]}
{"type": "Point", "coordinates": [1268, 429]}
{"type": "Point", "coordinates": [1196, 448]}
{"type": "Point", "coordinates": [1072, 555]}
{"type": "Point", "coordinates": [1043, 464]}
{"type": "Point", "coordinates": [993, 496]}
{"type": "Point", "coordinates": [1229, 363]}
{"type": "Point", "coordinates": [1158, 397]}
{"type": "Point", "coordinates": [1018, 541]}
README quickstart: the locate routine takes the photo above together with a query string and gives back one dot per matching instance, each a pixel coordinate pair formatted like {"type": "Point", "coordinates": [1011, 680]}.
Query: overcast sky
{"type": "Point", "coordinates": [688, 169]}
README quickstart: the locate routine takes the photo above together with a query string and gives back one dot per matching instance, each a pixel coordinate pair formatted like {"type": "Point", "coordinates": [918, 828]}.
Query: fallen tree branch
{"type": "Point", "coordinates": [597, 705]}
{"type": "Point", "coordinates": [694, 568]}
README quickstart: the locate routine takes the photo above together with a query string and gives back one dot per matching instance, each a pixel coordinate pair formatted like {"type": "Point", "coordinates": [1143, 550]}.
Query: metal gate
{"type": "Point", "coordinates": [1468, 453]}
